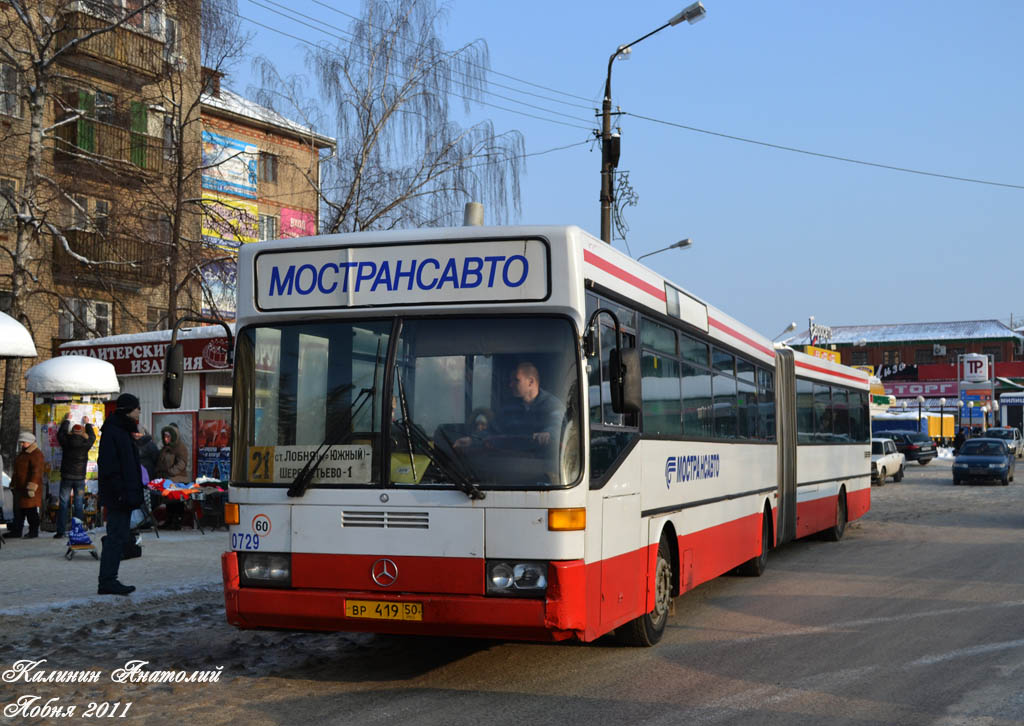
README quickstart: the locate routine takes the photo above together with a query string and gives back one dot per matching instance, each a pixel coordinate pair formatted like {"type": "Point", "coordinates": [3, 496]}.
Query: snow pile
{"type": "Point", "coordinates": [72, 374]}
{"type": "Point", "coordinates": [17, 341]}
{"type": "Point", "coordinates": [945, 452]}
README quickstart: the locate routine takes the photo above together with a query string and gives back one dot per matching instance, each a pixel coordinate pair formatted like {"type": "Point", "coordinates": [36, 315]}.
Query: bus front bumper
{"type": "Point", "coordinates": [558, 616]}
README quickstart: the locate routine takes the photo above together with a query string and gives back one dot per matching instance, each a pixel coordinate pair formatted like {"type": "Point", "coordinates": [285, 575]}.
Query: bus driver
{"type": "Point", "coordinates": [535, 414]}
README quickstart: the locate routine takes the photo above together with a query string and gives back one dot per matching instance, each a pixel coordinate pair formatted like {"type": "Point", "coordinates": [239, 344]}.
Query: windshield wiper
{"type": "Point", "coordinates": [441, 460]}
{"type": "Point", "coordinates": [304, 478]}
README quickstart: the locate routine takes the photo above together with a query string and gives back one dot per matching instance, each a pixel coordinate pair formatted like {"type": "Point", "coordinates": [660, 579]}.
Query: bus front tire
{"type": "Point", "coordinates": [647, 630]}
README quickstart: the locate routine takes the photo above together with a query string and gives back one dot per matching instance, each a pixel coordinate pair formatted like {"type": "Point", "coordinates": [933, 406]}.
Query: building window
{"type": "Point", "coordinates": [858, 357]}
{"type": "Point", "coordinates": [170, 39]}
{"type": "Point", "coordinates": [10, 103]}
{"type": "Point", "coordinates": [104, 104]}
{"type": "Point", "coordinates": [994, 351]}
{"type": "Point", "coordinates": [156, 318]}
{"type": "Point", "coordinates": [268, 227]}
{"type": "Point", "coordinates": [78, 318]}
{"type": "Point", "coordinates": [6, 301]}
{"type": "Point", "coordinates": [890, 357]}
{"type": "Point", "coordinates": [923, 355]}
{"type": "Point", "coordinates": [268, 167]}
{"type": "Point", "coordinates": [170, 137]}
{"type": "Point", "coordinates": [8, 203]}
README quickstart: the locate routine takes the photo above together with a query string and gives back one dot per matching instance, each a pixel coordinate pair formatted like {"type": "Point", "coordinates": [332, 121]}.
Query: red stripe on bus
{"type": "Point", "coordinates": [603, 264]}
{"type": "Point", "coordinates": [740, 336]}
{"type": "Point", "coordinates": [819, 369]}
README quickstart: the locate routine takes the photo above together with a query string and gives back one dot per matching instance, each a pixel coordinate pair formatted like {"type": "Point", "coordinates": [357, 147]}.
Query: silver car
{"type": "Point", "coordinates": [1010, 435]}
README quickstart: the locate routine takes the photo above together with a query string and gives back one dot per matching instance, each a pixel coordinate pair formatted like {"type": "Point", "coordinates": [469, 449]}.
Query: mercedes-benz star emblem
{"type": "Point", "coordinates": [384, 572]}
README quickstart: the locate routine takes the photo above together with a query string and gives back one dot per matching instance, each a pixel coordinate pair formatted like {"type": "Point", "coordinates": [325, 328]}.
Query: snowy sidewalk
{"type": "Point", "coordinates": [37, 577]}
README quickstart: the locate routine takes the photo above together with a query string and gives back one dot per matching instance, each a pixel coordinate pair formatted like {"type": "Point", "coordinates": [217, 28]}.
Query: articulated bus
{"type": "Point", "coordinates": [515, 433]}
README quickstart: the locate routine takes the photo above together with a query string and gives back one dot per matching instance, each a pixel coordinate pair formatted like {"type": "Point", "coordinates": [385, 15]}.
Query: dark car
{"type": "Point", "coordinates": [984, 459]}
{"type": "Point", "coordinates": [913, 445]}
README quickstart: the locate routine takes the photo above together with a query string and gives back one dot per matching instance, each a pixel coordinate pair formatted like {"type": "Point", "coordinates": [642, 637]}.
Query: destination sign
{"type": "Point", "coordinates": [425, 274]}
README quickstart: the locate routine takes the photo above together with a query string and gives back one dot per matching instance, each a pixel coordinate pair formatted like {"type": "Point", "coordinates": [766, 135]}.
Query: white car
{"type": "Point", "coordinates": [1010, 435]}
{"type": "Point", "coordinates": [886, 461]}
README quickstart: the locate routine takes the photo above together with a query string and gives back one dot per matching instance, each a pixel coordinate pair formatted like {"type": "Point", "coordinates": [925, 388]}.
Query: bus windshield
{"type": "Point", "coordinates": [481, 402]}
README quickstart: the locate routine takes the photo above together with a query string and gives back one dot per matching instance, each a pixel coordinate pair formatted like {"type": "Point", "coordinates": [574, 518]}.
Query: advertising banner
{"type": "Point", "coordinates": [229, 165]}
{"type": "Point", "coordinates": [928, 389]}
{"type": "Point", "coordinates": [228, 223]}
{"type": "Point", "coordinates": [296, 223]}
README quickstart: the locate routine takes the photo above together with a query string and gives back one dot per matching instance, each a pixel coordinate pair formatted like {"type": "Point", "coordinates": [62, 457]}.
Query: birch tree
{"type": "Point", "coordinates": [402, 159]}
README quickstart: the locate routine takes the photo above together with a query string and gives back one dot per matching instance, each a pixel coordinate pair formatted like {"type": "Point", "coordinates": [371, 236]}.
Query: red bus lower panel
{"type": "Point", "coordinates": [560, 616]}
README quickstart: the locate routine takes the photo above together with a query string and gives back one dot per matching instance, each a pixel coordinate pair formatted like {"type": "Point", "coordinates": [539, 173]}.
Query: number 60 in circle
{"type": "Point", "coordinates": [261, 525]}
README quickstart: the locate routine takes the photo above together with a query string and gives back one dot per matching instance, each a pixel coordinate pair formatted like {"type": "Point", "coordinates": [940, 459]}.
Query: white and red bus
{"type": "Point", "coordinates": [442, 432]}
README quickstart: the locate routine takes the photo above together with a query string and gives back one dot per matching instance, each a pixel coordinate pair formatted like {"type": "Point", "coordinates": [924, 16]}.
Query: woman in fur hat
{"type": "Point", "coordinates": [27, 485]}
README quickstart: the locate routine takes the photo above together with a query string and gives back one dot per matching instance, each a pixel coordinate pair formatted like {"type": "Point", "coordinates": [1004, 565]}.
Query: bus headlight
{"type": "Point", "coordinates": [517, 579]}
{"type": "Point", "coordinates": [265, 569]}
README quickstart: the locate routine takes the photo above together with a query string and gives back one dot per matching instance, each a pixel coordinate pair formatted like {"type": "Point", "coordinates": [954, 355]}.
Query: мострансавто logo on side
{"type": "Point", "coordinates": [692, 467]}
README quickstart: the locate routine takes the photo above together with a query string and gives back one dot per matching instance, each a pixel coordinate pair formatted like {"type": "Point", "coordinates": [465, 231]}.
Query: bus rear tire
{"type": "Point", "coordinates": [755, 566]}
{"type": "Point", "coordinates": [835, 532]}
{"type": "Point", "coordinates": [647, 630]}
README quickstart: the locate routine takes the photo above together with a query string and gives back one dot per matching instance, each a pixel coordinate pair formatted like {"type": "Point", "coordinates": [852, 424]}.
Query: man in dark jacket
{"type": "Point", "coordinates": [75, 442]}
{"type": "Point", "coordinates": [120, 475]}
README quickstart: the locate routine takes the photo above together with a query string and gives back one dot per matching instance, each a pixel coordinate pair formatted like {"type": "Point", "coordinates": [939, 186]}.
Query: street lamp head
{"type": "Point", "coordinates": [959, 403]}
{"type": "Point", "coordinates": [942, 401]}
{"type": "Point", "coordinates": [920, 399]}
{"type": "Point", "coordinates": [682, 244]}
{"type": "Point", "coordinates": [691, 14]}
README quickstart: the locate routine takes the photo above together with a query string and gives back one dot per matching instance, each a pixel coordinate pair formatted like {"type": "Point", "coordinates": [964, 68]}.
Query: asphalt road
{"type": "Point", "coordinates": [916, 617]}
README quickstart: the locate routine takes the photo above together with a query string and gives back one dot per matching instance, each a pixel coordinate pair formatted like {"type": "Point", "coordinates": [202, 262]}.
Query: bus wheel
{"type": "Point", "coordinates": [647, 630]}
{"type": "Point", "coordinates": [835, 532]}
{"type": "Point", "coordinates": [755, 565]}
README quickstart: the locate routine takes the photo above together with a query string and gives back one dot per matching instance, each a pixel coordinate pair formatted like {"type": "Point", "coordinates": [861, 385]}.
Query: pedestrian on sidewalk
{"type": "Point", "coordinates": [27, 485]}
{"type": "Point", "coordinates": [75, 442]}
{"type": "Point", "coordinates": [172, 463]}
{"type": "Point", "coordinates": [120, 475]}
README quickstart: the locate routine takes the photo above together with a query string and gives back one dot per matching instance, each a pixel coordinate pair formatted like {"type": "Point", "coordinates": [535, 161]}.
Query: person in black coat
{"type": "Point", "coordinates": [75, 442]}
{"type": "Point", "coordinates": [121, 490]}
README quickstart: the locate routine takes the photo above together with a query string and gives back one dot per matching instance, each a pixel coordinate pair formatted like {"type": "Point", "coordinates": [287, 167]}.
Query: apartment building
{"type": "Point", "coordinates": [262, 174]}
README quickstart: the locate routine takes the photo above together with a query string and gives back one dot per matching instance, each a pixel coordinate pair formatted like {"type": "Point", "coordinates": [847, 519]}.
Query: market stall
{"type": "Point", "coordinates": [69, 385]}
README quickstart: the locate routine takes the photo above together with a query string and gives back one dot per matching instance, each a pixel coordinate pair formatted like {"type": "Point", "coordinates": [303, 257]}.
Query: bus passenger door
{"type": "Point", "coordinates": [623, 558]}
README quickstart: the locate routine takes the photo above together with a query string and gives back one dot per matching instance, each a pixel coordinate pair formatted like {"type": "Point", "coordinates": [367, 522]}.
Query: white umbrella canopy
{"type": "Point", "coordinates": [15, 340]}
{"type": "Point", "coordinates": [77, 374]}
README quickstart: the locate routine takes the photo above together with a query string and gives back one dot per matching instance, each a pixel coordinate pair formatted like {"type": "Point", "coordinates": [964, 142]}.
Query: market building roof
{"type": "Point", "coordinates": [917, 332]}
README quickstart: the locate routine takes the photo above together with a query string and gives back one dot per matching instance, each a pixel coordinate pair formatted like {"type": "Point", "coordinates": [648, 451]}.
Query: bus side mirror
{"type": "Point", "coordinates": [624, 368]}
{"type": "Point", "coordinates": [174, 375]}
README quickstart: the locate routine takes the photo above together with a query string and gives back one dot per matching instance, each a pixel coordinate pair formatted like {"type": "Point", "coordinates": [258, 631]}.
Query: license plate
{"type": "Point", "coordinates": [381, 610]}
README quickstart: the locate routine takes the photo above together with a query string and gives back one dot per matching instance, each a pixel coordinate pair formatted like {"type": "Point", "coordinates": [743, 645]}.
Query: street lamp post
{"type": "Point", "coordinates": [680, 245]}
{"type": "Point", "coordinates": [995, 413]}
{"type": "Point", "coordinates": [920, 400]}
{"type": "Point", "coordinates": [942, 420]}
{"type": "Point", "coordinates": [960, 414]}
{"type": "Point", "coordinates": [610, 146]}
{"type": "Point", "coordinates": [970, 415]}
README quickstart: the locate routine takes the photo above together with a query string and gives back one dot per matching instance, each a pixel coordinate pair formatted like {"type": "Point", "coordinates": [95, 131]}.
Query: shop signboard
{"type": "Point", "coordinates": [140, 359]}
{"type": "Point", "coordinates": [975, 367]}
{"type": "Point", "coordinates": [928, 389]}
{"type": "Point", "coordinates": [297, 223]}
{"type": "Point", "coordinates": [825, 353]}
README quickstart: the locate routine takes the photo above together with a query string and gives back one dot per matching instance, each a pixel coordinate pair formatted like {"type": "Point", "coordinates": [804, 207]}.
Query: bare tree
{"type": "Point", "coordinates": [176, 197]}
{"type": "Point", "coordinates": [35, 35]}
{"type": "Point", "coordinates": [402, 161]}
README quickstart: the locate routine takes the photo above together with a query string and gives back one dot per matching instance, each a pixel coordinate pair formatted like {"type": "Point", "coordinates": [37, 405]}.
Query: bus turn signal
{"type": "Point", "coordinates": [567, 520]}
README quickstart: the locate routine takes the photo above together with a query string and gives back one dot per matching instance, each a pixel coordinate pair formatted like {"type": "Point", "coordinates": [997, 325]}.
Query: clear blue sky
{"type": "Point", "coordinates": [778, 236]}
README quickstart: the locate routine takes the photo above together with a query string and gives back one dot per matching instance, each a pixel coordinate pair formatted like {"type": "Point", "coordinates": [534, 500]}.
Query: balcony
{"type": "Point", "coordinates": [149, 266]}
{"type": "Point", "coordinates": [123, 54]}
{"type": "Point", "coordinates": [102, 141]}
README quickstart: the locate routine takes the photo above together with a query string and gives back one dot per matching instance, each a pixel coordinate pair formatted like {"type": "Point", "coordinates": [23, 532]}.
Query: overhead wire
{"type": "Point", "coordinates": [833, 157]}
